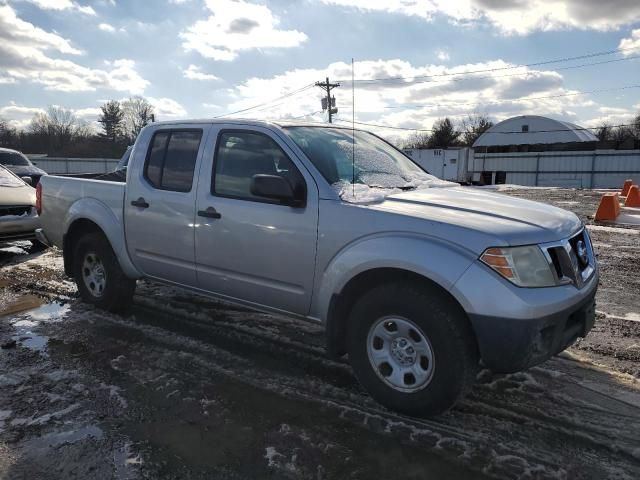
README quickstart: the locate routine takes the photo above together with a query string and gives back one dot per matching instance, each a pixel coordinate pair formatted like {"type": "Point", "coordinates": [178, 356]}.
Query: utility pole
{"type": "Point", "coordinates": [328, 103]}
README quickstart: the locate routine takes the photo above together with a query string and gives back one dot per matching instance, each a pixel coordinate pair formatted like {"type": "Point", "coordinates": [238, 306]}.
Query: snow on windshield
{"type": "Point", "coordinates": [378, 175]}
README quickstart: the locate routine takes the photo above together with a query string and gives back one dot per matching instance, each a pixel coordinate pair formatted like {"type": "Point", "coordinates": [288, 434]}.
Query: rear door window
{"type": "Point", "coordinates": [171, 159]}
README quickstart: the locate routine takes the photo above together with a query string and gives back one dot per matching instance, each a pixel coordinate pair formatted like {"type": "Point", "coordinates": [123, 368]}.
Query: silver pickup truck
{"type": "Point", "coordinates": [417, 280]}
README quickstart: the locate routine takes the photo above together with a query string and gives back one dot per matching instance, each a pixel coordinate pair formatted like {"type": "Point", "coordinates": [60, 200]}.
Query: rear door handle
{"type": "Point", "coordinates": [141, 203]}
{"type": "Point", "coordinates": [209, 213]}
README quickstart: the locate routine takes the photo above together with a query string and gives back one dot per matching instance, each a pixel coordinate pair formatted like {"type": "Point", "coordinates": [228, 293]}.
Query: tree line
{"type": "Point", "coordinates": [445, 133]}
{"type": "Point", "coordinates": [60, 132]}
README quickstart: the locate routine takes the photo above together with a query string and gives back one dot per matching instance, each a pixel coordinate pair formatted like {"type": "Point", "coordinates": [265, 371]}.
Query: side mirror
{"type": "Point", "coordinates": [27, 180]}
{"type": "Point", "coordinates": [275, 188]}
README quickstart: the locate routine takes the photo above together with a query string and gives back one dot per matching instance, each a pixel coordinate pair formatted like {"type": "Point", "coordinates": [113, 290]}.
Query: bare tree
{"type": "Point", "coordinates": [416, 140]}
{"type": "Point", "coordinates": [138, 113]}
{"type": "Point", "coordinates": [604, 132]}
{"type": "Point", "coordinates": [443, 134]}
{"type": "Point", "coordinates": [58, 128]}
{"type": "Point", "coordinates": [8, 134]}
{"type": "Point", "coordinates": [473, 126]}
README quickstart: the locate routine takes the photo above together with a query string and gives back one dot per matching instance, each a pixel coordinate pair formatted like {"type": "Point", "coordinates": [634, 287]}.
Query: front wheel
{"type": "Point", "coordinates": [411, 348]}
{"type": "Point", "coordinates": [98, 275]}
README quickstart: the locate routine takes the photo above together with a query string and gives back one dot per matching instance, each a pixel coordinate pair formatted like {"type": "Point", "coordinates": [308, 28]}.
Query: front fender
{"type": "Point", "coordinates": [112, 227]}
{"type": "Point", "coordinates": [442, 262]}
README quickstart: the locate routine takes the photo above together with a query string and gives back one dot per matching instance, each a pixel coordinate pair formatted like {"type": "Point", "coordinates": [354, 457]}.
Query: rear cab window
{"type": "Point", "coordinates": [171, 159]}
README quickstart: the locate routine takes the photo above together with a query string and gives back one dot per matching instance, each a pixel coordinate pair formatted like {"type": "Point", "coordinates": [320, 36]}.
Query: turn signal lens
{"type": "Point", "coordinates": [522, 266]}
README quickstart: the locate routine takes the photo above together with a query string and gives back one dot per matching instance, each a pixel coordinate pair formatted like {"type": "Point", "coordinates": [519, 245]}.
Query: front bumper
{"type": "Point", "coordinates": [508, 345]}
{"type": "Point", "coordinates": [18, 228]}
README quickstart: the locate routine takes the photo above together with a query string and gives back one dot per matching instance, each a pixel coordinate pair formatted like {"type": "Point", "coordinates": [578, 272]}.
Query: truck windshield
{"type": "Point", "coordinates": [13, 158]}
{"type": "Point", "coordinates": [372, 162]}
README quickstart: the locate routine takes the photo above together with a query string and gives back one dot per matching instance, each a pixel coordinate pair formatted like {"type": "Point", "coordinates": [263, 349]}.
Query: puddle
{"type": "Point", "coordinates": [26, 323]}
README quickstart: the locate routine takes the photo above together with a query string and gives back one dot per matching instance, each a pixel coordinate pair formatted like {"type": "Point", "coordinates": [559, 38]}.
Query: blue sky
{"type": "Point", "coordinates": [199, 58]}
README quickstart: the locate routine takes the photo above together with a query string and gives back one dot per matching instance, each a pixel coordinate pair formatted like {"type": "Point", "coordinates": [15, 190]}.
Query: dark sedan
{"type": "Point", "coordinates": [19, 164]}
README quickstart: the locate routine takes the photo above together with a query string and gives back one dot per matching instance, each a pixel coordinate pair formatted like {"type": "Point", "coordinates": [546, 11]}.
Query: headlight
{"type": "Point", "coordinates": [522, 266]}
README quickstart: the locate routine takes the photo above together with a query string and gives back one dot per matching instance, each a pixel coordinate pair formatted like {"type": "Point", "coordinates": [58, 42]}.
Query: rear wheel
{"type": "Point", "coordinates": [98, 275]}
{"type": "Point", "coordinates": [411, 348]}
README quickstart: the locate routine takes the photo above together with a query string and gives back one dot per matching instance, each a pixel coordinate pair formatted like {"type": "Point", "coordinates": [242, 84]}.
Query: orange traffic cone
{"type": "Point", "coordinates": [609, 208]}
{"type": "Point", "coordinates": [625, 188]}
{"type": "Point", "coordinates": [633, 197]}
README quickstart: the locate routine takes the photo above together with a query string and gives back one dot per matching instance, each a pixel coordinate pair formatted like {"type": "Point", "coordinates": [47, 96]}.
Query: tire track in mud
{"type": "Point", "coordinates": [466, 431]}
{"type": "Point", "coordinates": [529, 426]}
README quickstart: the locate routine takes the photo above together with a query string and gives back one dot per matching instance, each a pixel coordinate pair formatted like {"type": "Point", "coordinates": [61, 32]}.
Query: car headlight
{"type": "Point", "coordinates": [522, 266]}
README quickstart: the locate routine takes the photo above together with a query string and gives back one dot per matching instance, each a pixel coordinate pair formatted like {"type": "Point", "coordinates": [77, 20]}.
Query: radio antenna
{"type": "Point", "coordinates": [353, 131]}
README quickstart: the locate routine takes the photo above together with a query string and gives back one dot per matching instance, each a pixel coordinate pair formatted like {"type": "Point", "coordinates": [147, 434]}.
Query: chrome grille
{"type": "Point", "coordinates": [572, 260]}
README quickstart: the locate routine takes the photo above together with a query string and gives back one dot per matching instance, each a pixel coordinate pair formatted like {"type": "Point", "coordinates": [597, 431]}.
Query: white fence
{"type": "Point", "coordinates": [589, 169]}
{"type": "Point", "coordinates": [75, 165]}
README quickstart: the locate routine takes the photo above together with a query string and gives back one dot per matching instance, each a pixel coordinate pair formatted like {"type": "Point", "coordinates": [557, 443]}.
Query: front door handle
{"type": "Point", "coordinates": [141, 203]}
{"type": "Point", "coordinates": [209, 213]}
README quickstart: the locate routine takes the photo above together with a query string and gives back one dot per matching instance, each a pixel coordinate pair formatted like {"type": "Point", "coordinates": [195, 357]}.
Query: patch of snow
{"type": "Point", "coordinates": [602, 228]}
{"type": "Point", "coordinates": [630, 316]}
{"type": "Point", "coordinates": [510, 186]}
{"type": "Point", "coordinates": [364, 194]}
{"type": "Point", "coordinates": [271, 454]}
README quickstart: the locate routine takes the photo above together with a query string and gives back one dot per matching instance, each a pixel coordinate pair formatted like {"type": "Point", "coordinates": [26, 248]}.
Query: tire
{"type": "Point", "coordinates": [100, 280]}
{"type": "Point", "coordinates": [431, 357]}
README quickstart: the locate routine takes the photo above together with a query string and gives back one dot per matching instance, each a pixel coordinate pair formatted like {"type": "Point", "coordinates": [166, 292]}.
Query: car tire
{"type": "Point", "coordinates": [427, 363]}
{"type": "Point", "coordinates": [100, 280]}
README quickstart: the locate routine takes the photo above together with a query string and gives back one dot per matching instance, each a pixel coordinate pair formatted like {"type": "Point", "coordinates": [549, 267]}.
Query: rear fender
{"type": "Point", "coordinates": [112, 227]}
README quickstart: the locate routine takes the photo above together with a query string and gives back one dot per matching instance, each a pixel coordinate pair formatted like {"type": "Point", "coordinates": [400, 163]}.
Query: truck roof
{"type": "Point", "coordinates": [252, 122]}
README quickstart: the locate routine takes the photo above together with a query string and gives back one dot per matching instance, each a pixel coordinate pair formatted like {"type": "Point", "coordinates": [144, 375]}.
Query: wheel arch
{"type": "Point", "coordinates": [341, 303]}
{"type": "Point", "coordinates": [111, 230]}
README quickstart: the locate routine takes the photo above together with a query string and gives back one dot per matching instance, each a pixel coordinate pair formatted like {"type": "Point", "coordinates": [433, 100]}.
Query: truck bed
{"type": "Point", "coordinates": [59, 194]}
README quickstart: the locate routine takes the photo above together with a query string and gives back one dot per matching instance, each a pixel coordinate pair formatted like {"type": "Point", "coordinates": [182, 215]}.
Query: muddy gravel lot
{"type": "Point", "coordinates": [181, 386]}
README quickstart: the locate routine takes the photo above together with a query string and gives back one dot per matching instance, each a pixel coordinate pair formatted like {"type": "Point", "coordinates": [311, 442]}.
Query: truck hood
{"type": "Point", "coordinates": [18, 195]}
{"type": "Point", "coordinates": [511, 221]}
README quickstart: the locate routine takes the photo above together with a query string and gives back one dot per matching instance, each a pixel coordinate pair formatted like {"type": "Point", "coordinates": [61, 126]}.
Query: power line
{"type": "Point", "coordinates": [290, 94]}
{"type": "Point", "coordinates": [376, 125]}
{"type": "Point", "coordinates": [526, 74]}
{"type": "Point", "coordinates": [495, 69]}
{"type": "Point", "coordinates": [307, 115]}
{"type": "Point", "coordinates": [521, 99]}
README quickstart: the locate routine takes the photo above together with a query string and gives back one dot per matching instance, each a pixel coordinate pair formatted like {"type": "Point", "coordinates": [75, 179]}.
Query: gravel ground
{"type": "Point", "coordinates": [181, 386]}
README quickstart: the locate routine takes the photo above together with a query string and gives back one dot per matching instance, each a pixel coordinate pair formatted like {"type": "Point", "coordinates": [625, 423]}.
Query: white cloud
{"type": "Point", "coordinates": [631, 44]}
{"type": "Point", "coordinates": [235, 26]}
{"type": "Point", "coordinates": [442, 55]}
{"type": "Point", "coordinates": [514, 16]}
{"type": "Point", "coordinates": [18, 116]}
{"type": "Point", "coordinates": [193, 72]}
{"type": "Point", "coordinates": [167, 108]}
{"type": "Point", "coordinates": [21, 34]}
{"type": "Point", "coordinates": [415, 102]}
{"type": "Point", "coordinates": [60, 5]}
{"type": "Point", "coordinates": [25, 57]}
{"type": "Point", "coordinates": [105, 27]}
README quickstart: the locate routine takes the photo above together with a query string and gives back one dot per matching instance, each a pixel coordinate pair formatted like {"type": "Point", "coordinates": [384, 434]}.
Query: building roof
{"type": "Point", "coordinates": [533, 130]}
